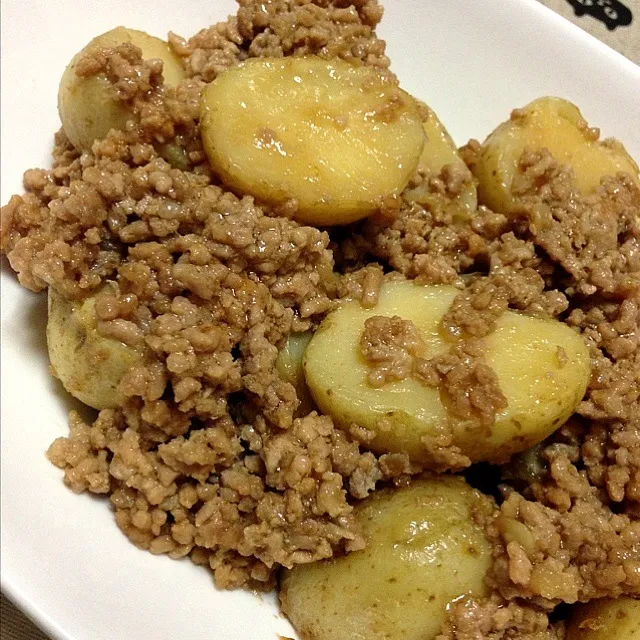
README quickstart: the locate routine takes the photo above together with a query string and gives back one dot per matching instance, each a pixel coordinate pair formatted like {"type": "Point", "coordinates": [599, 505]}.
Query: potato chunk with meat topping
{"type": "Point", "coordinates": [424, 550]}
{"type": "Point", "coordinates": [542, 369]}
{"type": "Point", "coordinates": [89, 365]}
{"type": "Point", "coordinates": [325, 140]}
{"type": "Point", "coordinates": [547, 123]}
{"type": "Point", "coordinates": [88, 106]}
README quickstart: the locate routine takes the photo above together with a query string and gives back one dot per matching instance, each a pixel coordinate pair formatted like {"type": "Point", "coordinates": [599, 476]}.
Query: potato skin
{"type": "Point", "coordinates": [89, 366]}
{"type": "Point", "coordinates": [87, 107]}
{"type": "Point", "coordinates": [328, 139]}
{"type": "Point", "coordinates": [289, 368]}
{"type": "Point", "coordinates": [423, 551]}
{"type": "Point", "coordinates": [541, 389]}
{"type": "Point", "coordinates": [554, 124]}
{"type": "Point", "coordinates": [606, 619]}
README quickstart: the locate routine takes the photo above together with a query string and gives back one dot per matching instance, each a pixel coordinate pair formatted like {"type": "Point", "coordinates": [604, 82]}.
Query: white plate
{"type": "Point", "coordinates": [63, 559]}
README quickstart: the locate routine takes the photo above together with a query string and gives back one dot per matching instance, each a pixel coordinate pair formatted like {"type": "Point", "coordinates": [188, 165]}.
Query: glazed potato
{"type": "Point", "coordinates": [89, 366]}
{"type": "Point", "coordinates": [440, 150]}
{"type": "Point", "coordinates": [330, 139]}
{"type": "Point", "coordinates": [542, 368]}
{"type": "Point", "coordinates": [558, 126]}
{"type": "Point", "coordinates": [289, 367]}
{"type": "Point", "coordinates": [606, 619]}
{"type": "Point", "coordinates": [423, 551]}
{"type": "Point", "coordinates": [87, 106]}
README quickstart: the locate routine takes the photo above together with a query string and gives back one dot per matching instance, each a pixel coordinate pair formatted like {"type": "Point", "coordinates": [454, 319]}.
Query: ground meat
{"type": "Point", "coordinates": [611, 456]}
{"type": "Point", "coordinates": [469, 386]}
{"type": "Point", "coordinates": [205, 457]}
{"type": "Point", "coordinates": [421, 242]}
{"type": "Point", "coordinates": [212, 50]}
{"type": "Point", "coordinates": [197, 495]}
{"type": "Point", "coordinates": [475, 311]}
{"type": "Point", "coordinates": [125, 69]}
{"type": "Point", "coordinates": [363, 284]}
{"type": "Point", "coordinates": [498, 619]}
{"type": "Point", "coordinates": [565, 553]}
{"type": "Point", "coordinates": [390, 345]}
{"type": "Point", "coordinates": [276, 28]}
{"type": "Point", "coordinates": [595, 239]}
{"type": "Point", "coordinates": [596, 242]}
{"type": "Point", "coordinates": [612, 331]}
{"type": "Point", "coordinates": [563, 539]}
{"type": "Point", "coordinates": [209, 456]}
{"type": "Point", "coordinates": [452, 181]}
{"type": "Point", "coordinates": [573, 534]}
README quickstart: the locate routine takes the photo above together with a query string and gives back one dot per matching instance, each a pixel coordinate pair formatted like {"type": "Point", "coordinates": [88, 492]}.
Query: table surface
{"type": "Point", "coordinates": [625, 39]}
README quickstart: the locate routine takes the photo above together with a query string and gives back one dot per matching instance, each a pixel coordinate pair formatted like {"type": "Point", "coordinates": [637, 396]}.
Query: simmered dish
{"type": "Point", "coordinates": [331, 353]}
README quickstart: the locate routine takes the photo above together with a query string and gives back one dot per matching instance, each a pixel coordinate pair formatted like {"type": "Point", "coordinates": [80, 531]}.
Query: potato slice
{"type": "Point", "coordinates": [439, 151]}
{"type": "Point", "coordinates": [542, 368]}
{"type": "Point", "coordinates": [89, 366]}
{"type": "Point", "coordinates": [289, 367]}
{"type": "Point", "coordinates": [424, 550]}
{"type": "Point", "coordinates": [606, 619]}
{"type": "Point", "coordinates": [331, 139]}
{"type": "Point", "coordinates": [558, 126]}
{"type": "Point", "coordinates": [87, 106]}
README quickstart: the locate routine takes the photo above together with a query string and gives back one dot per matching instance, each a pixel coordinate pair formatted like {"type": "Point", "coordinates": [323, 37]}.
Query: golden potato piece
{"type": "Point", "coordinates": [89, 366]}
{"type": "Point", "coordinates": [542, 368]}
{"type": "Point", "coordinates": [440, 151]}
{"type": "Point", "coordinates": [87, 106]}
{"type": "Point", "coordinates": [606, 619]}
{"type": "Point", "coordinates": [289, 367]}
{"type": "Point", "coordinates": [331, 139]}
{"type": "Point", "coordinates": [558, 126]}
{"type": "Point", "coordinates": [423, 551]}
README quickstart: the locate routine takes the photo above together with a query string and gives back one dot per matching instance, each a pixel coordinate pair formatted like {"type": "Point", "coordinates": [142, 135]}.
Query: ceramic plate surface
{"type": "Point", "coordinates": [63, 559]}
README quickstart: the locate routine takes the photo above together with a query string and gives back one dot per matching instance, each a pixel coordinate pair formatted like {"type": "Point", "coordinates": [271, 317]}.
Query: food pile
{"type": "Point", "coordinates": [330, 351]}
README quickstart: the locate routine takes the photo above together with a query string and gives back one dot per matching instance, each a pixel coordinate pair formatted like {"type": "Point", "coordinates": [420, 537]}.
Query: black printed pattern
{"type": "Point", "coordinates": [612, 12]}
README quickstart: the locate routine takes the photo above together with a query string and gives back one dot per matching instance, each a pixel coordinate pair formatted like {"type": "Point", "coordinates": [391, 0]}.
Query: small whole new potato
{"type": "Point", "coordinates": [88, 107]}
{"type": "Point", "coordinates": [606, 619]}
{"type": "Point", "coordinates": [289, 368]}
{"type": "Point", "coordinates": [439, 152]}
{"type": "Point", "coordinates": [542, 367]}
{"type": "Point", "coordinates": [554, 124]}
{"type": "Point", "coordinates": [424, 549]}
{"type": "Point", "coordinates": [326, 140]}
{"type": "Point", "coordinates": [89, 365]}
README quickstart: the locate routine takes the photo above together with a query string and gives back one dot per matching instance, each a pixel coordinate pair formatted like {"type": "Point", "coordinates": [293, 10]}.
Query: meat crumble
{"type": "Point", "coordinates": [207, 457]}
{"type": "Point", "coordinates": [392, 347]}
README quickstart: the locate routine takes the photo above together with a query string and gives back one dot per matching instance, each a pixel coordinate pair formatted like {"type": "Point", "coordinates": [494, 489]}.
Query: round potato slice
{"type": "Point", "coordinates": [89, 366]}
{"type": "Point", "coordinates": [87, 106]}
{"type": "Point", "coordinates": [542, 368]}
{"type": "Point", "coordinates": [424, 550]}
{"type": "Point", "coordinates": [328, 139]}
{"type": "Point", "coordinates": [606, 619]}
{"type": "Point", "coordinates": [558, 126]}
